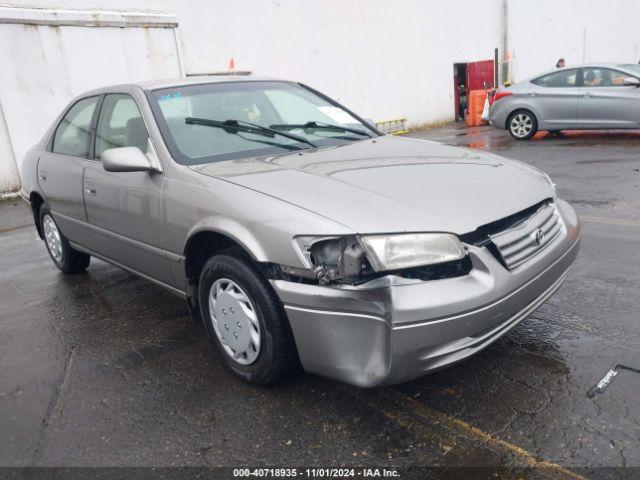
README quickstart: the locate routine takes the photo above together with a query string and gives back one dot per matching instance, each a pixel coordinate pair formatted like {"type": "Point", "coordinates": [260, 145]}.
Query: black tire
{"type": "Point", "coordinates": [519, 122]}
{"type": "Point", "coordinates": [72, 261]}
{"type": "Point", "coordinates": [277, 356]}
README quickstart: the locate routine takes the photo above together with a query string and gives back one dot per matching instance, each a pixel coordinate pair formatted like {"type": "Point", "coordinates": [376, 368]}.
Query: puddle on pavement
{"type": "Point", "coordinates": [570, 138]}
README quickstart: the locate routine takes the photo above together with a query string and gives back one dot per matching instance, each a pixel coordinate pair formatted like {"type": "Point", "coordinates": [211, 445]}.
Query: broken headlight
{"type": "Point", "coordinates": [333, 258]}
{"type": "Point", "coordinates": [353, 256]}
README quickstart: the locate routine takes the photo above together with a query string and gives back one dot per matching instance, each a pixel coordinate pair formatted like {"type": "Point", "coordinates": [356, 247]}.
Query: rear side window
{"type": "Point", "coordinates": [120, 125]}
{"type": "Point", "coordinates": [562, 79]}
{"type": "Point", "coordinates": [74, 130]}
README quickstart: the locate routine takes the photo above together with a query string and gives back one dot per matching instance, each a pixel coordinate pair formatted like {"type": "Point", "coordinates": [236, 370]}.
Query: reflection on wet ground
{"type": "Point", "coordinates": [488, 138]}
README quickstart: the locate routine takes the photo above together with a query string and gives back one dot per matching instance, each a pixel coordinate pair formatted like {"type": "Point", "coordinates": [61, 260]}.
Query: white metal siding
{"type": "Point", "coordinates": [47, 59]}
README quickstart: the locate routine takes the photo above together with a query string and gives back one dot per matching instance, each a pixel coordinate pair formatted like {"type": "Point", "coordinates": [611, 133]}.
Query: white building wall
{"type": "Point", "coordinates": [542, 31]}
{"type": "Point", "coordinates": [9, 178]}
{"type": "Point", "coordinates": [382, 58]}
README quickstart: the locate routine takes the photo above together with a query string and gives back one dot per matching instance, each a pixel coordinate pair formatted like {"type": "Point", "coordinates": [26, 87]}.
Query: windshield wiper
{"type": "Point", "coordinates": [319, 126]}
{"type": "Point", "coordinates": [235, 126]}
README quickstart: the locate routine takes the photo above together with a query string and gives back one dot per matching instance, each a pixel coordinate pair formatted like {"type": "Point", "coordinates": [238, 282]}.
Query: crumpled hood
{"type": "Point", "coordinates": [393, 184]}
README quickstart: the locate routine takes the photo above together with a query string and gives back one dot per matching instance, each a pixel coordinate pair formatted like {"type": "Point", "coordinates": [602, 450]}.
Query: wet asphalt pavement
{"type": "Point", "coordinates": [105, 369]}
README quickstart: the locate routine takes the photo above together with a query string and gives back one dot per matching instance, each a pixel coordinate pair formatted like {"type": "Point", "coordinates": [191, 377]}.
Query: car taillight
{"type": "Point", "coordinates": [500, 94]}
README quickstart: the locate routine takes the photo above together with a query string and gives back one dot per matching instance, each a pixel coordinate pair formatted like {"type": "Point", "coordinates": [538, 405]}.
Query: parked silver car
{"type": "Point", "coordinates": [600, 97]}
{"type": "Point", "coordinates": [297, 232]}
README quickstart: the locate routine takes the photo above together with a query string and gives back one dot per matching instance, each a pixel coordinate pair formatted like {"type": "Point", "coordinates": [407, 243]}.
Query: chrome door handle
{"type": "Point", "coordinates": [533, 94]}
{"type": "Point", "coordinates": [587, 94]}
{"type": "Point", "coordinates": [90, 190]}
{"type": "Point", "coordinates": [42, 177]}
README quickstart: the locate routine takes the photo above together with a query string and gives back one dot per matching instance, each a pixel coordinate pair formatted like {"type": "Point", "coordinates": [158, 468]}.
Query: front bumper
{"type": "Point", "coordinates": [392, 329]}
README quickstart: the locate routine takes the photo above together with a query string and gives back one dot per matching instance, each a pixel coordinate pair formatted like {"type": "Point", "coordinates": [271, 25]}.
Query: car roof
{"type": "Point", "coordinates": [178, 82]}
{"type": "Point", "coordinates": [596, 65]}
{"type": "Point", "coordinates": [618, 66]}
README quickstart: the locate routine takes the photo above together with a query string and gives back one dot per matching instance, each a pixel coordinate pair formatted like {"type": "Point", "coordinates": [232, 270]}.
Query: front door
{"type": "Point", "coordinates": [124, 209]}
{"type": "Point", "coordinates": [60, 169]}
{"type": "Point", "coordinates": [605, 102]}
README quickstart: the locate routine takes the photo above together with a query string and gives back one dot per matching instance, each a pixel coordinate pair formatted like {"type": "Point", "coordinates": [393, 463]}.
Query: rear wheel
{"type": "Point", "coordinates": [64, 256]}
{"type": "Point", "coordinates": [245, 319]}
{"type": "Point", "coordinates": [522, 125]}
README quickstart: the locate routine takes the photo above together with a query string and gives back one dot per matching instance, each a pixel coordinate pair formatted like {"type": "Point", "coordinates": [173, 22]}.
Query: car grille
{"type": "Point", "coordinates": [519, 243]}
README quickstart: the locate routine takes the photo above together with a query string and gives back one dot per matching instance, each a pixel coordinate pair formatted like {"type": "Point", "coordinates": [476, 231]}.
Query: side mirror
{"type": "Point", "coordinates": [631, 82]}
{"type": "Point", "coordinates": [126, 159]}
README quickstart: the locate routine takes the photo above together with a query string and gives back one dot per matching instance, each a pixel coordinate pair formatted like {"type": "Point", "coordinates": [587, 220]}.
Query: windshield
{"type": "Point", "coordinates": [221, 121]}
{"type": "Point", "coordinates": [632, 68]}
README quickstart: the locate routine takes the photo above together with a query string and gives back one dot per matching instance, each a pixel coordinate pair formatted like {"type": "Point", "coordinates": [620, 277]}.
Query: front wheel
{"type": "Point", "coordinates": [522, 125]}
{"type": "Point", "coordinates": [64, 256]}
{"type": "Point", "coordinates": [245, 319]}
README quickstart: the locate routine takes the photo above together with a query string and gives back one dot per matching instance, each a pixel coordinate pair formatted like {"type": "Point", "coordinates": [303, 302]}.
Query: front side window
{"type": "Point", "coordinates": [120, 125]}
{"type": "Point", "coordinates": [183, 112]}
{"type": "Point", "coordinates": [73, 134]}
{"type": "Point", "coordinates": [562, 79]}
{"type": "Point", "coordinates": [603, 77]}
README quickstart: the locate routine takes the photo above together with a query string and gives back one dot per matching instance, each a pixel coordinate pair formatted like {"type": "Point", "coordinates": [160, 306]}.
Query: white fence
{"type": "Point", "coordinates": [48, 57]}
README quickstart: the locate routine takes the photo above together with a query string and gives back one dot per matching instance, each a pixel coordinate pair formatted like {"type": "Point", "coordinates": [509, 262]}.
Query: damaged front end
{"type": "Point", "coordinates": [370, 331]}
{"type": "Point", "coordinates": [356, 259]}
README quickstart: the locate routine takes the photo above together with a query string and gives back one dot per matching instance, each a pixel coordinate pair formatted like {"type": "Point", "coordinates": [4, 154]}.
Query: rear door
{"type": "Point", "coordinates": [605, 102]}
{"type": "Point", "coordinates": [124, 209]}
{"type": "Point", "coordinates": [555, 98]}
{"type": "Point", "coordinates": [60, 168]}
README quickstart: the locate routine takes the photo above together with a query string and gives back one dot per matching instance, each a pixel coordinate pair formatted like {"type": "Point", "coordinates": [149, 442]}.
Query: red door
{"type": "Point", "coordinates": [480, 75]}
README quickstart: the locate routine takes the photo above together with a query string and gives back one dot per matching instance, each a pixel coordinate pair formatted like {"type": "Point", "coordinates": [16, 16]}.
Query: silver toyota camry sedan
{"type": "Point", "coordinates": [588, 97]}
{"type": "Point", "coordinates": [296, 232]}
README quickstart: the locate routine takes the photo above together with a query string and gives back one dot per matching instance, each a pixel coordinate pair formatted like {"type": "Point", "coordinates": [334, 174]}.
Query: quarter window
{"type": "Point", "coordinates": [120, 125]}
{"type": "Point", "coordinates": [562, 79]}
{"type": "Point", "coordinates": [603, 77]}
{"type": "Point", "coordinates": [74, 131]}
